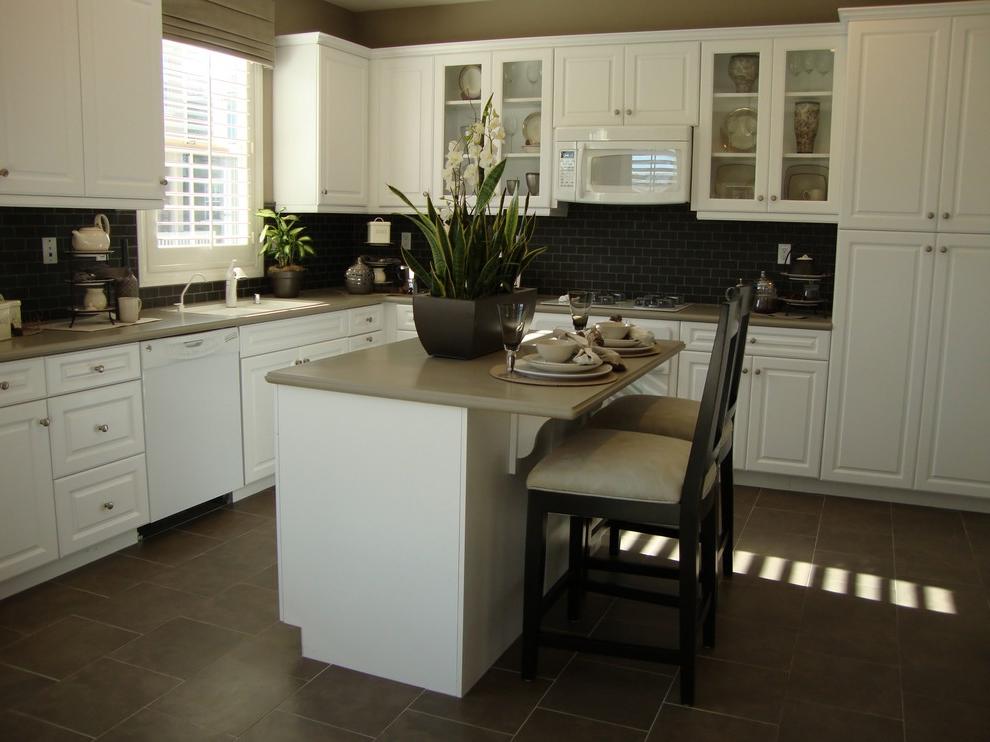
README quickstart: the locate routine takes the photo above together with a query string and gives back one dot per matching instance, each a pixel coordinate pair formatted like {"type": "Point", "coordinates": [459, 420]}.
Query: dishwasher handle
{"type": "Point", "coordinates": [189, 347]}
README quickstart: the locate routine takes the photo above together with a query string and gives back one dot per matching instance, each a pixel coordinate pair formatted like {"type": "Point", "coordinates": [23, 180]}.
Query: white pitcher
{"type": "Point", "coordinates": [93, 239]}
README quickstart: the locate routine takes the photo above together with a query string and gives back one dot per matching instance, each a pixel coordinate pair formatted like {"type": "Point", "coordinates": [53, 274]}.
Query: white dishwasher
{"type": "Point", "coordinates": [192, 419]}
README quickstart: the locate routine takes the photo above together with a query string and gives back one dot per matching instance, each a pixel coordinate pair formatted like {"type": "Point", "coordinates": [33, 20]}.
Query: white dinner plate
{"type": "Point", "coordinates": [531, 129]}
{"type": "Point", "coordinates": [620, 342]}
{"type": "Point", "coordinates": [525, 369]}
{"type": "Point", "coordinates": [534, 360]}
{"type": "Point", "coordinates": [643, 350]}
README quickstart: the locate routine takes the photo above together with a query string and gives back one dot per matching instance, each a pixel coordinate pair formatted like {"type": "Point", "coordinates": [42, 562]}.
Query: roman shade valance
{"type": "Point", "coordinates": [244, 28]}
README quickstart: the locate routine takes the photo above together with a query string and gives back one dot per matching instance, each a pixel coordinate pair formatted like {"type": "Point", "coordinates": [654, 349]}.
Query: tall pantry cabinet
{"type": "Point", "coordinates": [909, 383]}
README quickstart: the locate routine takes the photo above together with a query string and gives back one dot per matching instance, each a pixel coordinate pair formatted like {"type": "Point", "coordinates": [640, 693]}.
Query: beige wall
{"type": "Point", "coordinates": [518, 18]}
{"type": "Point", "coordinates": [300, 16]}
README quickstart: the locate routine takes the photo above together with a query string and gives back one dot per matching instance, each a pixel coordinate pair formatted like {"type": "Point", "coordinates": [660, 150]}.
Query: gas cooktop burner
{"type": "Point", "coordinates": [616, 300]}
{"type": "Point", "coordinates": [658, 301]}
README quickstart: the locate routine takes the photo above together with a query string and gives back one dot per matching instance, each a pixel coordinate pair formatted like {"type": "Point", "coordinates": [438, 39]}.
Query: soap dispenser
{"type": "Point", "coordinates": [234, 272]}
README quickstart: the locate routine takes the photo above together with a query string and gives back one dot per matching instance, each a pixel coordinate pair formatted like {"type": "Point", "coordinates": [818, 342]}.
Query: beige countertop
{"type": "Point", "coordinates": [171, 323]}
{"type": "Point", "coordinates": [403, 370]}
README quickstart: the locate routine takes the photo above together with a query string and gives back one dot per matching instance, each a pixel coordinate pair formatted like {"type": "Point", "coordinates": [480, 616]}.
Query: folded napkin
{"type": "Point", "coordinates": [588, 352]}
{"type": "Point", "coordinates": [643, 336]}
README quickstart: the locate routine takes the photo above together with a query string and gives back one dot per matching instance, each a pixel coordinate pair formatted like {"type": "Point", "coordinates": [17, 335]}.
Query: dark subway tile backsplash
{"type": "Point", "coordinates": [633, 249]}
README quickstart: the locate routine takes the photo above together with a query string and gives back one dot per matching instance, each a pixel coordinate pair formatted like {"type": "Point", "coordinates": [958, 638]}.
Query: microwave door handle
{"type": "Point", "coordinates": [578, 184]}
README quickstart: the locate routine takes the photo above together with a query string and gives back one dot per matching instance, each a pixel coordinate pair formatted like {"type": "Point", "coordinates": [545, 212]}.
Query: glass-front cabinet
{"type": "Point", "coordinates": [521, 83]}
{"type": "Point", "coordinates": [767, 143]}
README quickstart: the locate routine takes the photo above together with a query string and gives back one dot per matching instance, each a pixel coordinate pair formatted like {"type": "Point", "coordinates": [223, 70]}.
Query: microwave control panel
{"type": "Point", "coordinates": [566, 167]}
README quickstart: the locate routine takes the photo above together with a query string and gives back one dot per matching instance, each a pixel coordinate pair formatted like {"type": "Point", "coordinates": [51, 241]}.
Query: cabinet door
{"type": "Point", "coordinates": [661, 83]}
{"type": "Point", "coordinates": [883, 284]}
{"type": "Point", "coordinates": [368, 340]}
{"type": "Point", "coordinates": [28, 537]}
{"type": "Point", "coordinates": [786, 416]}
{"type": "Point", "coordinates": [587, 86]}
{"type": "Point", "coordinates": [456, 77]}
{"type": "Point", "coordinates": [402, 128]}
{"type": "Point", "coordinates": [898, 70]}
{"type": "Point", "coordinates": [41, 147]}
{"type": "Point", "coordinates": [804, 156]}
{"type": "Point", "coordinates": [733, 139]}
{"type": "Point", "coordinates": [120, 50]}
{"type": "Point", "coordinates": [258, 412]}
{"type": "Point", "coordinates": [952, 451]}
{"type": "Point", "coordinates": [964, 200]}
{"type": "Point", "coordinates": [343, 136]}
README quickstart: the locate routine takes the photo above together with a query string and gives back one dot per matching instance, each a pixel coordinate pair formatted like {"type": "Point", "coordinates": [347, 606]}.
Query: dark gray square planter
{"type": "Point", "coordinates": [464, 328]}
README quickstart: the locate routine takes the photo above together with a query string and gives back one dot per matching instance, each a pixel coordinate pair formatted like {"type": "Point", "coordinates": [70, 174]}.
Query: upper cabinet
{"type": "Point", "coordinates": [635, 84]}
{"type": "Point", "coordinates": [320, 119]}
{"type": "Point", "coordinates": [766, 145]}
{"type": "Point", "coordinates": [68, 136]}
{"type": "Point", "coordinates": [918, 106]}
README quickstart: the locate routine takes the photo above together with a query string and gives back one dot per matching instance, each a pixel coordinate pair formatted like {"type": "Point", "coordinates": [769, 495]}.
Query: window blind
{"type": "Point", "coordinates": [208, 149]}
{"type": "Point", "coordinates": [244, 28]}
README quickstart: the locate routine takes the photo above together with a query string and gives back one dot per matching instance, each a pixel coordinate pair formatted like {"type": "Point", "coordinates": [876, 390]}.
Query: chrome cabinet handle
{"type": "Point", "coordinates": [628, 112]}
{"type": "Point", "coordinates": [760, 197]}
{"type": "Point", "coordinates": [930, 215]}
{"type": "Point", "coordinates": [4, 386]}
{"type": "Point", "coordinates": [4, 172]}
{"type": "Point", "coordinates": [616, 112]}
{"type": "Point", "coordinates": [163, 181]}
{"type": "Point", "coordinates": [305, 360]}
{"type": "Point", "coordinates": [945, 214]}
{"type": "Point", "coordinates": [103, 428]}
{"type": "Point", "coordinates": [108, 505]}
{"type": "Point", "coordinates": [297, 362]}
{"type": "Point", "coordinates": [943, 249]}
{"type": "Point", "coordinates": [773, 198]}
{"type": "Point", "coordinates": [369, 339]}
{"type": "Point", "coordinates": [99, 369]}
{"type": "Point", "coordinates": [928, 248]}
{"type": "Point", "coordinates": [369, 319]}
{"type": "Point", "coordinates": [45, 421]}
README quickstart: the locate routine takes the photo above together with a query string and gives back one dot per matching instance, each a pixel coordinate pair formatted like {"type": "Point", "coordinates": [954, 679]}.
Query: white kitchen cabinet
{"type": "Point", "coordinates": [748, 157]}
{"type": "Point", "coordinates": [100, 503]}
{"type": "Point", "coordinates": [918, 106]}
{"type": "Point", "coordinates": [87, 369]}
{"type": "Point", "coordinates": [65, 130]}
{"type": "Point", "coordinates": [41, 134]}
{"type": "Point", "coordinates": [634, 84]}
{"type": "Point", "coordinates": [367, 340]}
{"type": "Point", "coordinates": [22, 381]}
{"type": "Point", "coordinates": [454, 77]}
{"type": "Point", "coordinates": [267, 337]}
{"type": "Point", "coordinates": [364, 320]}
{"type": "Point", "coordinates": [399, 322]}
{"type": "Point", "coordinates": [320, 120]}
{"type": "Point", "coordinates": [401, 152]}
{"type": "Point", "coordinates": [28, 536]}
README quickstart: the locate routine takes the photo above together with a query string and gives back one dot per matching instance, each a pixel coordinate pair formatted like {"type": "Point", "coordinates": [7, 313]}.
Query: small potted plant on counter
{"type": "Point", "coordinates": [284, 243]}
{"type": "Point", "coordinates": [476, 253]}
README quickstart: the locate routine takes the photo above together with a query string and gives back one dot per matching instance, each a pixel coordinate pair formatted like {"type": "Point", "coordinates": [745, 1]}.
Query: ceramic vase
{"type": "Point", "coordinates": [806, 115]}
{"type": "Point", "coordinates": [95, 299]}
{"type": "Point", "coordinates": [743, 71]}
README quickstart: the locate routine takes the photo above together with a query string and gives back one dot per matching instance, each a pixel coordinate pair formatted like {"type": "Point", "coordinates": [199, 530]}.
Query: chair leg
{"type": "Point", "coordinates": [709, 574]}
{"type": "Point", "coordinates": [613, 541]}
{"type": "Point", "coordinates": [577, 567]}
{"type": "Point", "coordinates": [536, 554]}
{"type": "Point", "coordinates": [726, 497]}
{"type": "Point", "coordinates": [688, 610]}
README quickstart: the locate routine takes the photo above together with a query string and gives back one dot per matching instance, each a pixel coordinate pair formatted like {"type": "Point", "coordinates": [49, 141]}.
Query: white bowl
{"type": "Point", "coordinates": [556, 350]}
{"type": "Point", "coordinates": [613, 330]}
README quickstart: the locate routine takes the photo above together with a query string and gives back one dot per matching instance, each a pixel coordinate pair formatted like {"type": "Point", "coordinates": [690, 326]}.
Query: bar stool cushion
{"type": "Point", "coordinates": [617, 464]}
{"type": "Point", "coordinates": [672, 416]}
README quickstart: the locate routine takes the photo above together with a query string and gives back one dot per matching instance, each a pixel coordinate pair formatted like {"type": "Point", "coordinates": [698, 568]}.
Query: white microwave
{"type": "Point", "coordinates": [622, 165]}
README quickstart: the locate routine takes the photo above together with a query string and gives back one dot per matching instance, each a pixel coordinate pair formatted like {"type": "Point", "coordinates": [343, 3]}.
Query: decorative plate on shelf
{"type": "Point", "coordinates": [531, 129]}
{"type": "Point", "coordinates": [735, 180]}
{"type": "Point", "coordinates": [469, 82]}
{"type": "Point", "coordinates": [806, 182]}
{"type": "Point", "coordinates": [739, 130]}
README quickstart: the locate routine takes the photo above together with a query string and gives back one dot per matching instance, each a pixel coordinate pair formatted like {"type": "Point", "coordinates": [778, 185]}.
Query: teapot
{"type": "Point", "coordinates": [93, 239]}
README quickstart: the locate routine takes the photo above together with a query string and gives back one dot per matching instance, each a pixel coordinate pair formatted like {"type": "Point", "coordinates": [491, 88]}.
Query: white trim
{"type": "Point", "coordinates": [78, 202]}
{"type": "Point", "coordinates": [928, 10]}
{"type": "Point", "coordinates": [768, 216]}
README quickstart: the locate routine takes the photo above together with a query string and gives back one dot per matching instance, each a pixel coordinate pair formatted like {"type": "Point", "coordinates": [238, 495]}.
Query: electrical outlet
{"type": "Point", "coordinates": [783, 254]}
{"type": "Point", "coordinates": [49, 250]}
{"type": "Point", "coordinates": [406, 241]}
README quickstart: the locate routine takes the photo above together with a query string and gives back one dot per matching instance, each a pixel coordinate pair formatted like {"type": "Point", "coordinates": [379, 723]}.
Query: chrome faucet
{"type": "Point", "coordinates": [182, 296]}
{"type": "Point", "coordinates": [234, 272]}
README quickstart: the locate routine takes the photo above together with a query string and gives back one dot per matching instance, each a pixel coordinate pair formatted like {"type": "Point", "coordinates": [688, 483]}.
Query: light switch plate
{"type": "Point", "coordinates": [49, 250]}
{"type": "Point", "coordinates": [783, 254]}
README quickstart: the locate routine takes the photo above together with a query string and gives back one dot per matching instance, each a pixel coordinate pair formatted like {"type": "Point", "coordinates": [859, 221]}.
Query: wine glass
{"type": "Point", "coordinates": [579, 301]}
{"type": "Point", "coordinates": [511, 126]}
{"type": "Point", "coordinates": [513, 319]}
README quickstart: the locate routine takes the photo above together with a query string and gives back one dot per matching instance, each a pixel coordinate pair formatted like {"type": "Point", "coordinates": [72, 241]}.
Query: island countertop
{"type": "Point", "coordinates": [403, 370]}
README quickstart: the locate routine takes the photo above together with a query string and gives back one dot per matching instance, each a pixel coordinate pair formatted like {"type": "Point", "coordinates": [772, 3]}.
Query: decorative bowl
{"type": "Point", "coordinates": [613, 330]}
{"type": "Point", "coordinates": [555, 350]}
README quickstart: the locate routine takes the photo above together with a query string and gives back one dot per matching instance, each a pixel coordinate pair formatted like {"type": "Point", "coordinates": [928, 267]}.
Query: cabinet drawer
{"type": "Point", "coordinates": [404, 318]}
{"type": "Point", "coordinates": [95, 427]}
{"type": "Point", "coordinates": [101, 503]}
{"type": "Point", "coordinates": [364, 320]}
{"type": "Point", "coordinates": [369, 340]}
{"type": "Point", "coordinates": [775, 342]}
{"type": "Point", "coordinates": [267, 337]}
{"type": "Point", "coordinates": [22, 381]}
{"type": "Point", "coordinates": [73, 372]}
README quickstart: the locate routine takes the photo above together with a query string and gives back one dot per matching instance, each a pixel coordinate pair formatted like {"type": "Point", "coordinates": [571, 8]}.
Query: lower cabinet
{"type": "Point", "coordinates": [27, 508]}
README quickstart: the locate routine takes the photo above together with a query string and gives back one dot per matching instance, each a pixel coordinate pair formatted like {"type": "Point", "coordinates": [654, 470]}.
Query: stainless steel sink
{"type": "Point", "coordinates": [247, 308]}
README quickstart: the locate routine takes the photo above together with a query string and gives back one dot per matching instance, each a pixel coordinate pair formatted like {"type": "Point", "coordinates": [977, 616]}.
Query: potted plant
{"type": "Point", "coordinates": [284, 243]}
{"type": "Point", "coordinates": [476, 254]}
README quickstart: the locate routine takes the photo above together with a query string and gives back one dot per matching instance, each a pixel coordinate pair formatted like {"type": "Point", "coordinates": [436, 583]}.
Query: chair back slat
{"type": "Point", "coordinates": [738, 353]}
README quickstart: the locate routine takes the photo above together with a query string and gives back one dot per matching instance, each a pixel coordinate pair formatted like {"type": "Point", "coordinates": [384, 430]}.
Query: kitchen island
{"type": "Point", "coordinates": [401, 485]}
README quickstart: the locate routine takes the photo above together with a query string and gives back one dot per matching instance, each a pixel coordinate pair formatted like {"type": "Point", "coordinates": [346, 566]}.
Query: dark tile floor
{"type": "Point", "coordinates": [846, 620]}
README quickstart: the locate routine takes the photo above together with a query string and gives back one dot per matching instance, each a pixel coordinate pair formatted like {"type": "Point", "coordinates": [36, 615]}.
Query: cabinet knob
{"type": "Point", "coordinates": [773, 198]}
{"type": "Point", "coordinates": [616, 112]}
{"type": "Point", "coordinates": [760, 197]}
{"type": "Point", "coordinates": [752, 340]}
{"type": "Point", "coordinates": [297, 362]}
{"type": "Point", "coordinates": [930, 214]}
{"type": "Point", "coordinates": [4, 172]}
{"type": "Point", "coordinates": [163, 181]}
{"type": "Point", "coordinates": [745, 370]}
{"type": "Point", "coordinates": [4, 386]}
{"type": "Point", "coordinates": [757, 372]}
{"type": "Point", "coordinates": [324, 191]}
{"type": "Point", "coordinates": [928, 248]}
{"type": "Point", "coordinates": [108, 505]}
{"type": "Point", "coordinates": [305, 360]}
{"type": "Point", "coordinates": [369, 319]}
{"type": "Point", "coordinates": [945, 214]}
{"type": "Point", "coordinates": [45, 421]}
{"type": "Point", "coordinates": [103, 428]}
{"type": "Point", "coordinates": [99, 369]}
{"type": "Point", "coordinates": [943, 249]}
{"type": "Point", "coordinates": [369, 339]}
{"type": "Point", "coordinates": [628, 112]}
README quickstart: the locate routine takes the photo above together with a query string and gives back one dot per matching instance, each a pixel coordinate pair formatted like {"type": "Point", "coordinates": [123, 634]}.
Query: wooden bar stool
{"type": "Point", "coordinates": [677, 417]}
{"type": "Point", "coordinates": [640, 478]}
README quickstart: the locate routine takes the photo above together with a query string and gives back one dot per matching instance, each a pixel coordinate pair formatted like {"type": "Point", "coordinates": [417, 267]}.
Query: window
{"type": "Point", "coordinates": [212, 121]}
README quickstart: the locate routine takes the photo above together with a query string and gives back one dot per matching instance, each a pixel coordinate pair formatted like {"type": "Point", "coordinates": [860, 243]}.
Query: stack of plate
{"type": "Point", "coordinates": [534, 366]}
{"type": "Point", "coordinates": [628, 347]}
